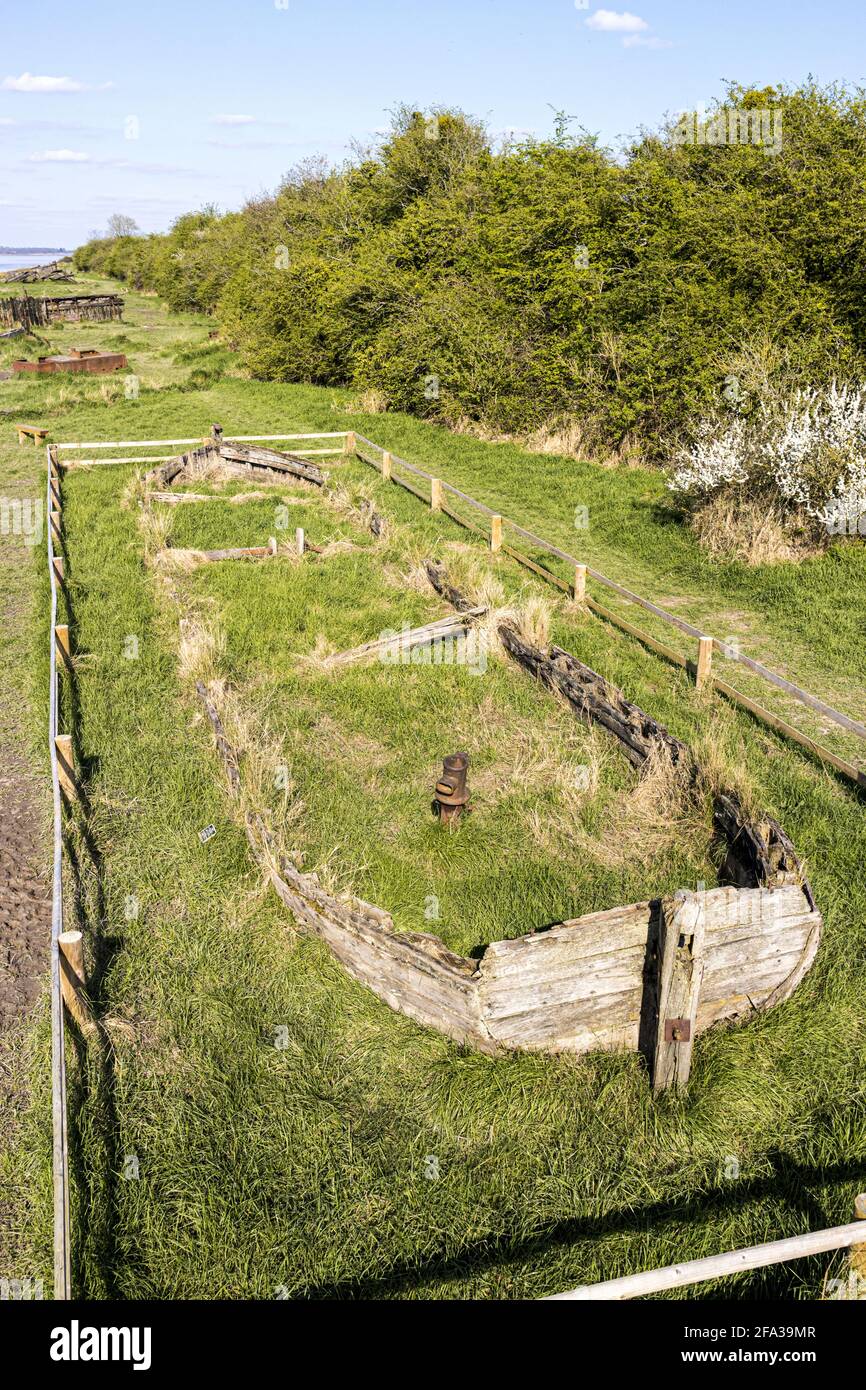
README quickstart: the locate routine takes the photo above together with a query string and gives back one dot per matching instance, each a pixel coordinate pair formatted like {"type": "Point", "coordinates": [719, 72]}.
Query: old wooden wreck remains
{"type": "Point", "coordinates": [647, 977]}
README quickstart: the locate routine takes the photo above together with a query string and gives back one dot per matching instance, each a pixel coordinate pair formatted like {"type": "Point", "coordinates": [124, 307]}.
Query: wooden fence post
{"type": "Point", "coordinates": [54, 489]}
{"type": "Point", "coordinates": [858, 1252]}
{"type": "Point", "coordinates": [351, 444]}
{"type": "Point", "coordinates": [65, 765]}
{"type": "Point", "coordinates": [299, 540]}
{"type": "Point", "coordinates": [579, 591]}
{"type": "Point", "coordinates": [272, 544]}
{"type": "Point", "coordinates": [705, 662]}
{"type": "Point", "coordinates": [61, 637]}
{"type": "Point", "coordinates": [680, 972]}
{"type": "Point", "coordinates": [72, 984]}
{"type": "Point", "coordinates": [58, 567]}
{"type": "Point", "coordinates": [386, 465]}
{"type": "Point", "coordinates": [496, 533]}
{"type": "Point", "coordinates": [435, 494]}
{"type": "Point", "coordinates": [55, 524]}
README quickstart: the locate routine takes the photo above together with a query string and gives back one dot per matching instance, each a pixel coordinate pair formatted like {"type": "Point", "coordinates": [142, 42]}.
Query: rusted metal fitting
{"type": "Point", "coordinates": [678, 1030]}
{"type": "Point", "coordinates": [451, 797]}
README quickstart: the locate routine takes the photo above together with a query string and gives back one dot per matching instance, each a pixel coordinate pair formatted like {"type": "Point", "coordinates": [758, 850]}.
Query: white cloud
{"type": "Point", "coordinates": [30, 82]}
{"type": "Point", "coordinates": [614, 22]}
{"type": "Point", "coordinates": [60, 157]}
{"type": "Point", "coordinates": [645, 41]}
{"type": "Point", "coordinates": [232, 120]}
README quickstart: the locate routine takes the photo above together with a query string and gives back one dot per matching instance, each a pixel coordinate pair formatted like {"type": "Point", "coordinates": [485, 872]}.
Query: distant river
{"type": "Point", "coordinates": [9, 261]}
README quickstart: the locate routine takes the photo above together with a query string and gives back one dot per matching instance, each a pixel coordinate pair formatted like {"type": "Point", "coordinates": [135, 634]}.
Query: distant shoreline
{"type": "Point", "coordinates": [33, 251]}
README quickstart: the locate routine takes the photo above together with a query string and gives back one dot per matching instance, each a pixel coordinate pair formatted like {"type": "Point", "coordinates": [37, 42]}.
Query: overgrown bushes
{"type": "Point", "coordinates": [547, 281]}
{"type": "Point", "coordinates": [803, 459]}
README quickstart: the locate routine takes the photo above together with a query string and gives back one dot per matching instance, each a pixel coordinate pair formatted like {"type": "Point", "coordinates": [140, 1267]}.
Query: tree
{"type": "Point", "coordinates": [121, 225]}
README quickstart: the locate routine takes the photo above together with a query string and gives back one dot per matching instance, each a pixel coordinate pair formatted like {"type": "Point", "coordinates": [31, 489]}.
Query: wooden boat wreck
{"type": "Point", "coordinates": [31, 311]}
{"type": "Point", "coordinates": [647, 977]}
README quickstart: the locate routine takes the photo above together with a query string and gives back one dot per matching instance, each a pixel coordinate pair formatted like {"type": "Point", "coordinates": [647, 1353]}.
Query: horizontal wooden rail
{"type": "Point", "coordinates": [195, 439]}
{"type": "Point", "coordinates": [128, 443]}
{"type": "Point", "coordinates": [103, 463]}
{"type": "Point", "coordinates": [717, 1266]}
{"type": "Point", "coordinates": [707, 644]}
{"type": "Point", "coordinates": [783, 727]}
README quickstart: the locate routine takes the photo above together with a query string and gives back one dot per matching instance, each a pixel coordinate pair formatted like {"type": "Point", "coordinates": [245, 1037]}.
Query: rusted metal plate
{"type": "Point", "coordinates": [77, 360]}
{"type": "Point", "coordinates": [678, 1030]}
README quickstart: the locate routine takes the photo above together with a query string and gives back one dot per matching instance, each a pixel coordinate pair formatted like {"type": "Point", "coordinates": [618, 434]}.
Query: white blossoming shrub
{"type": "Point", "coordinates": [805, 457]}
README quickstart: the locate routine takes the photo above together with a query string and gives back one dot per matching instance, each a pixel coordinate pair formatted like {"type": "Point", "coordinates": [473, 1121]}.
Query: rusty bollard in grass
{"type": "Point", "coordinates": [451, 797]}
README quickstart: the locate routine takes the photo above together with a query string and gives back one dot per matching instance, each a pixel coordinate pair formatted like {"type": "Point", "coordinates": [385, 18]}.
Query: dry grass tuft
{"type": "Point", "coordinates": [155, 529]}
{"type": "Point", "coordinates": [371, 401]}
{"type": "Point", "coordinates": [732, 528]}
{"type": "Point", "coordinates": [336, 547]}
{"type": "Point", "coordinates": [240, 497]}
{"type": "Point", "coordinates": [179, 560]}
{"type": "Point", "coordinates": [135, 492]}
{"type": "Point", "coordinates": [532, 619]}
{"type": "Point", "coordinates": [267, 786]}
{"type": "Point", "coordinates": [663, 810]}
{"type": "Point", "coordinates": [201, 647]}
{"type": "Point", "coordinates": [721, 764]}
{"type": "Point", "coordinates": [356, 504]}
{"type": "Point", "coordinates": [319, 658]}
{"type": "Point", "coordinates": [566, 437]}
{"type": "Point", "coordinates": [472, 575]}
{"type": "Point", "coordinates": [560, 756]}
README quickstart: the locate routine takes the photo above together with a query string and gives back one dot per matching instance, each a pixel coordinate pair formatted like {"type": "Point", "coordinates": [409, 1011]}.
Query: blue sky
{"type": "Point", "coordinates": [165, 106]}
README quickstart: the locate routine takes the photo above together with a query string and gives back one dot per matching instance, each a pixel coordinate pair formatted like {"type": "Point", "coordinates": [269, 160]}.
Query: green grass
{"type": "Point", "coordinates": [306, 1166]}
{"type": "Point", "coordinates": [363, 746]}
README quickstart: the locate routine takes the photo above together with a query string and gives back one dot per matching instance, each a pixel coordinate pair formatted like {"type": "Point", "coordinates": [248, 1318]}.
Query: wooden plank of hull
{"type": "Point", "coordinates": [421, 985]}
{"type": "Point", "coordinates": [548, 990]}
{"type": "Point", "coordinates": [586, 984]}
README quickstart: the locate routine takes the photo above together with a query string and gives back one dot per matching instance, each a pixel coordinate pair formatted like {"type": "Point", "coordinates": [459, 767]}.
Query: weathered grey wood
{"type": "Point", "coordinates": [251, 552]}
{"type": "Point", "coordinates": [275, 460]}
{"type": "Point", "coordinates": [52, 270]}
{"type": "Point", "coordinates": [438, 578]}
{"type": "Point", "coordinates": [580, 986]}
{"type": "Point", "coordinates": [228, 754]}
{"type": "Point", "coordinates": [716, 1266]}
{"type": "Point", "coordinates": [400, 642]}
{"type": "Point", "coordinates": [31, 312]}
{"type": "Point", "coordinates": [560, 989]}
{"type": "Point", "coordinates": [681, 970]}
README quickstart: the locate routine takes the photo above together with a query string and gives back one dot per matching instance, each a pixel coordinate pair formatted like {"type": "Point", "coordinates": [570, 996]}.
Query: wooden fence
{"type": "Point", "coordinates": [392, 468]}
{"type": "Point", "coordinates": [434, 496]}
{"type": "Point", "coordinates": [654, 1281]}
{"type": "Point", "coordinates": [60, 747]}
{"type": "Point", "coordinates": [363, 926]}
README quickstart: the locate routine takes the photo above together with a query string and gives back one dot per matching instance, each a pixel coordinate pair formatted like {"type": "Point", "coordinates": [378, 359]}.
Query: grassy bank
{"type": "Point", "coordinates": [369, 1155]}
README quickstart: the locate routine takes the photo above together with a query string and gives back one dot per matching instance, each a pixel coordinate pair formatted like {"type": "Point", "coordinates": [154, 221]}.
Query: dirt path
{"type": "Point", "coordinates": [25, 899]}
{"type": "Point", "coordinates": [25, 876]}
{"type": "Point", "coordinates": [25, 916]}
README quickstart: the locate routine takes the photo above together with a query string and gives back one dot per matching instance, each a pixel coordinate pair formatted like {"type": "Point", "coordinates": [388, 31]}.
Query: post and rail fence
{"type": "Point", "coordinates": [68, 996]}
{"type": "Point", "coordinates": [435, 493]}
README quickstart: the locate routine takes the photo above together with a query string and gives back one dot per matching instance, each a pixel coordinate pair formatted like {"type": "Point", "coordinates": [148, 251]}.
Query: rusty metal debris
{"type": "Point", "coordinates": [678, 1030]}
{"type": "Point", "coordinates": [76, 360]}
{"type": "Point", "coordinates": [451, 798]}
